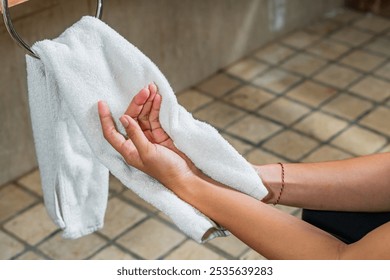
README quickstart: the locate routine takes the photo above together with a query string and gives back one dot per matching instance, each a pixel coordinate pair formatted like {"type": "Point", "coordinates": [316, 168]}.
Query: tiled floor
{"type": "Point", "coordinates": [320, 93]}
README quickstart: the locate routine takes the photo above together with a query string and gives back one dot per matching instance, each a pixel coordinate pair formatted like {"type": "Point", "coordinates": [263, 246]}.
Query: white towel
{"type": "Point", "coordinates": [91, 62]}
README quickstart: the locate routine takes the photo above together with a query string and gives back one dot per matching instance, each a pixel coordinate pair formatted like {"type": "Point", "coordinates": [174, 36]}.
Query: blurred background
{"type": "Point", "coordinates": [282, 80]}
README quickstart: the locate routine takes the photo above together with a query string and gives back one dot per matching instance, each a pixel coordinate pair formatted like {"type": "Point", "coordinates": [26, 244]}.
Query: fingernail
{"type": "Point", "coordinates": [124, 121]}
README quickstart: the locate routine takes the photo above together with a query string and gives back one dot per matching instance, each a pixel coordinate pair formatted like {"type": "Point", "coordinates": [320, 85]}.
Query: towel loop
{"type": "Point", "coordinates": [15, 36]}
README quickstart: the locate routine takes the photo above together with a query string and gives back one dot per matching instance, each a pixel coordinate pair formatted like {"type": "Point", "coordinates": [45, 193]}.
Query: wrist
{"type": "Point", "coordinates": [271, 177]}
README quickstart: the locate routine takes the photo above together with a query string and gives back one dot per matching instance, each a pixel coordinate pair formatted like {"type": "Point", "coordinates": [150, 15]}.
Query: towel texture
{"type": "Point", "coordinates": [91, 62]}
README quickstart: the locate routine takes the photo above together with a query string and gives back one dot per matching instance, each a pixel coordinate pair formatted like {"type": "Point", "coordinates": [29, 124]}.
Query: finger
{"type": "Point", "coordinates": [143, 117]}
{"type": "Point", "coordinates": [158, 133]}
{"type": "Point", "coordinates": [137, 103]}
{"type": "Point", "coordinates": [136, 135]}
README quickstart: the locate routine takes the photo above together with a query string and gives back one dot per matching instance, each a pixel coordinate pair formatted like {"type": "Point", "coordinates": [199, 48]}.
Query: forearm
{"type": "Point", "coordinates": [358, 184]}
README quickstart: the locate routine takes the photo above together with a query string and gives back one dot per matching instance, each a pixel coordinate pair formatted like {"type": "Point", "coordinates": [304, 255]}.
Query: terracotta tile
{"type": "Point", "coordinates": [151, 239]}
{"type": "Point", "coordinates": [112, 253]}
{"type": "Point", "coordinates": [193, 100]}
{"type": "Point", "coordinates": [134, 198]}
{"type": "Point", "coordinates": [284, 111]}
{"type": "Point", "coordinates": [115, 185]}
{"type": "Point", "coordinates": [218, 85]}
{"type": "Point", "coordinates": [323, 27]}
{"type": "Point", "coordinates": [230, 244]}
{"type": "Point", "coordinates": [32, 226]}
{"type": "Point", "coordinates": [274, 53]}
{"type": "Point", "coordinates": [247, 69]}
{"type": "Point", "coordinates": [29, 255]}
{"type": "Point", "coordinates": [120, 216]}
{"type": "Point", "coordinates": [372, 88]}
{"type": "Point", "coordinates": [191, 250]}
{"type": "Point", "coordinates": [300, 39]}
{"type": "Point", "coordinates": [337, 76]}
{"type": "Point", "coordinates": [65, 249]}
{"type": "Point", "coordinates": [379, 120]}
{"type": "Point", "coordinates": [373, 23]}
{"type": "Point", "coordinates": [13, 200]}
{"type": "Point", "coordinates": [249, 97]}
{"type": "Point", "coordinates": [380, 46]}
{"type": "Point", "coordinates": [290, 145]}
{"type": "Point", "coordinates": [328, 49]}
{"type": "Point", "coordinates": [219, 114]}
{"type": "Point", "coordinates": [351, 36]}
{"type": "Point", "coordinates": [32, 181]}
{"type": "Point", "coordinates": [311, 93]}
{"type": "Point", "coordinates": [9, 246]}
{"type": "Point", "coordinates": [347, 106]}
{"type": "Point", "coordinates": [276, 80]}
{"type": "Point", "coordinates": [384, 71]}
{"type": "Point", "coordinates": [326, 153]}
{"type": "Point", "coordinates": [252, 255]}
{"type": "Point", "coordinates": [258, 156]}
{"type": "Point", "coordinates": [253, 129]}
{"type": "Point", "coordinates": [346, 16]}
{"type": "Point", "coordinates": [304, 64]}
{"type": "Point", "coordinates": [320, 126]}
{"type": "Point", "coordinates": [359, 141]}
{"type": "Point", "coordinates": [239, 145]}
{"type": "Point", "coordinates": [363, 60]}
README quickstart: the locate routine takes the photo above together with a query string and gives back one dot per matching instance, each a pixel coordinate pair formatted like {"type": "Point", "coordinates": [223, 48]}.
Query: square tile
{"type": "Point", "coordinates": [351, 36]}
{"type": "Point", "coordinates": [115, 186]}
{"type": "Point", "coordinates": [120, 216]}
{"type": "Point", "coordinates": [328, 49]}
{"type": "Point", "coordinates": [151, 239]}
{"type": "Point", "coordinates": [290, 145]}
{"type": "Point", "coordinates": [112, 253]}
{"type": "Point", "coordinates": [193, 100]}
{"type": "Point", "coordinates": [9, 246]}
{"type": "Point", "coordinates": [373, 23]}
{"type": "Point", "coordinates": [276, 80]}
{"type": "Point", "coordinates": [384, 71]}
{"type": "Point", "coordinates": [347, 106]}
{"type": "Point", "coordinates": [29, 255]}
{"type": "Point", "coordinates": [191, 250]}
{"type": "Point", "coordinates": [230, 244]}
{"type": "Point", "coordinates": [218, 85]}
{"type": "Point", "coordinates": [32, 226]}
{"type": "Point", "coordinates": [380, 45]}
{"type": "Point", "coordinates": [286, 209]}
{"type": "Point", "coordinates": [274, 53]}
{"type": "Point", "coordinates": [32, 181]}
{"type": "Point", "coordinates": [65, 249]}
{"type": "Point", "coordinates": [323, 27]}
{"type": "Point", "coordinates": [346, 16]}
{"type": "Point", "coordinates": [359, 141]}
{"type": "Point", "coordinates": [247, 69]}
{"type": "Point", "coordinates": [311, 93]}
{"type": "Point", "coordinates": [134, 198]}
{"type": "Point", "coordinates": [386, 149]}
{"type": "Point", "coordinates": [13, 200]}
{"type": "Point", "coordinates": [300, 39]}
{"type": "Point", "coordinates": [259, 157]}
{"type": "Point", "coordinates": [252, 255]}
{"type": "Point", "coordinates": [237, 144]}
{"type": "Point", "coordinates": [363, 60]}
{"type": "Point", "coordinates": [284, 111]}
{"type": "Point", "coordinates": [372, 88]}
{"type": "Point", "coordinates": [379, 120]}
{"type": "Point", "coordinates": [321, 126]}
{"type": "Point", "coordinates": [249, 97]}
{"type": "Point", "coordinates": [326, 153]}
{"type": "Point", "coordinates": [337, 76]}
{"type": "Point", "coordinates": [253, 129]}
{"type": "Point", "coordinates": [219, 114]}
{"type": "Point", "coordinates": [304, 64]}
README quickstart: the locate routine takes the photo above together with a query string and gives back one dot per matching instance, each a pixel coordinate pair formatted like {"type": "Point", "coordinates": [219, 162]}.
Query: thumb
{"type": "Point", "coordinates": [135, 134]}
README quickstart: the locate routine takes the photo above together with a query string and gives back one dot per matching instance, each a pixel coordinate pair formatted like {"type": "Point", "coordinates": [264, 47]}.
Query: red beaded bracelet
{"type": "Point", "coordinates": [282, 188]}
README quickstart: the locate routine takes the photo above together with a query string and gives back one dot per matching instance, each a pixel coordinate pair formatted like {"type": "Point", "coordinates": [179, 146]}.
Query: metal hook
{"type": "Point", "coordinates": [15, 36]}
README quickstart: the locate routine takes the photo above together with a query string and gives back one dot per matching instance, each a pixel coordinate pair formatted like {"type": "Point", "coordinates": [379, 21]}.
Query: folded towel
{"type": "Point", "coordinates": [91, 62]}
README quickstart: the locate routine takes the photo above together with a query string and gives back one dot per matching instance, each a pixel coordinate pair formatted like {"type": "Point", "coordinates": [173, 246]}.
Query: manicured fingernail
{"type": "Point", "coordinates": [124, 121]}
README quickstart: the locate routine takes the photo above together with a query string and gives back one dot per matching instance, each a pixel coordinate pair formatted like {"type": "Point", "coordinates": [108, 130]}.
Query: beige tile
{"type": "Point", "coordinates": [380, 46]}
{"type": "Point", "coordinates": [304, 64]}
{"type": "Point", "coordinates": [151, 239]}
{"type": "Point", "coordinates": [218, 85]}
{"type": "Point", "coordinates": [247, 69]}
{"type": "Point", "coordinates": [372, 88]}
{"type": "Point", "coordinates": [230, 244]}
{"type": "Point", "coordinates": [32, 181]}
{"type": "Point", "coordinates": [9, 246]}
{"type": "Point", "coordinates": [373, 23]}
{"type": "Point", "coordinates": [112, 253]}
{"type": "Point", "coordinates": [249, 97]}
{"type": "Point", "coordinates": [284, 111]}
{"type": "Point", "coordinates": [337, 76]}
{"type": "Point", "coordinates": [286, 209]}
{"type": "Point", "coordinates": [120, 216]}
{"type": "Point", "coordinates": [363, 60]}
{"type": "Point", "coordinates": [276, 80]}
{"type": "Point", "coordinates": [351, 36]}
{"type": "Point", "coordinates": [258, 156]}
{"type": "Point", "coordinates": [346, 16]}
{"type": "Point", "coordinates": [326, 153]}
{"type": "Point", "coordinates": [252, 255]}
{"type": "Point", "coordinates": [300, 39]}
{"type": "Point", "coordinates": [321, 126]}
{"type": "Point", "coordinates": [273, 53]}
{"type": "Point", "coordinates": [115, 185]}
{"type": "Point", "coordinates": [328, 49]}
{"type": "Point", "coordinates": [384, 71]}
{"type": "Point", "coordinates": [347, 106]}
{"type": "Point", "coordinates": [311, 93]}
{"type": "Point", "coordinates": [379, 120]}
{"type": "Point", "coordinates": [290, 145]}
{"type": "Point", "coordinates": [191, 250]}
{"type": "Point", "coordinates": [253, 128]}
{"type": "Point", "coordinates": [29, 255]}
{"type": "Point", "coordinates": [193, 100]}
{"type": "Point", "coordinates": [134, 198]}
{"type": "Point", "coordinates": [13, 200]}
{"type": "Point", "coordinates": [359, 141]}
{"type": "Point", "coordinates": [66, 249]}
{"type": "Point", "coordinates": [219, 114]}
{"type": "Point", "coordinates": [239, 145]}
{"type": "Point", "coordinates": [32, 226]}
{"type": "Point", "coordinates": [386, 149]}
{"type": "Point", "coordinates": [323, 27]}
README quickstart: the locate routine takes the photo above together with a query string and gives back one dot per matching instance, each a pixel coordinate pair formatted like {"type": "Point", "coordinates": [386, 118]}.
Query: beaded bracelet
{"type": "Point", "coordinates": [282, 188]}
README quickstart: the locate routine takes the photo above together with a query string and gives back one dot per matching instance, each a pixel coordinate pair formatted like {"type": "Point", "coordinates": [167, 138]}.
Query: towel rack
{"type": "Point", "coordinates": [15, 36]}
